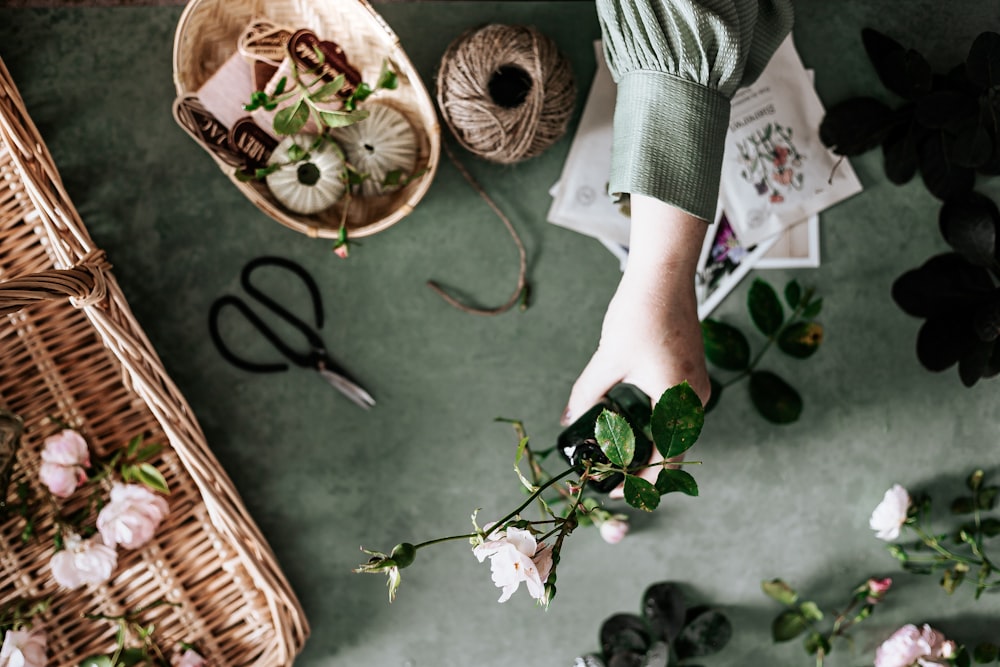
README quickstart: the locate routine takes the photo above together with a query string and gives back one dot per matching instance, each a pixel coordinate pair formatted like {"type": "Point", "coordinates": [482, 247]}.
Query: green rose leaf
{"type": "Point", "coordinates": [774, 398]}
{"type": "Point", "coordinates": [677, 420]}
{"type": "Point", "coordinates": [990, 527]}
{"type": "Point", "coordinates": [640, 494]}
{"type": "Point", "coordinates": [725, 345]}
{"type": "Point", "coordinates": [671, 479]}
{"type": "Point", "coordinates": [778, 590]}
{"type": "Point", "coordinates": [765, 308]}
{"type": "Point", "coordinates": [811, 611]}
{"type": "Point", "coordinates": [148, 452]}
{"type": "Point", "coordinates": [615, 437]}
{"type": "Point", "coordinates": [793, 292]}
{"type": "Point", "coordinates": [291, 119]}
{"type": "Point", "coordinates": [133, 445]}
{"type": "Point", "coordinates": [815, 641]}
{"type": "Point", "coordinates": [788, 625]}
{"type": "Point", "coordinates": [151, 477]}
{"type": "Point", "coordinates": [987, 498]}
{"type": "Point", "coordinates": [706, 632]}
{"type": "Point", "coordinates": [801, 339]}
{"type": "Point", "coordinates": [985, 653]}
{"type": "Point", "coordinates": [812, 310]}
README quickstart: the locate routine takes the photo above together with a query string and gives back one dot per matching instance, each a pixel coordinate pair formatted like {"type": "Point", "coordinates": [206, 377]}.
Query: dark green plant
{"type": "Point", "coordinates": [984, 653]}
{"type": "Point", "coordinates": [959, 553]}
{"type": "Point", "coordinates": [665, 632]}
{"type": "Point", "coordinates": [798, 336]}
{"type": "Point", "coordinates": [946, 126]}
{"type": "Point", "coordinates": [804, 618]}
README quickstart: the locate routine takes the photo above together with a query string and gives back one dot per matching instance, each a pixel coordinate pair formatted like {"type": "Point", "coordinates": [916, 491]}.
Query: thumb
{"type": "Point", "coordinates": [594, 382]}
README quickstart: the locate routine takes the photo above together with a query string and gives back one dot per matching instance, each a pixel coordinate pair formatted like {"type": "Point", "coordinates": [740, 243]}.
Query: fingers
{"type": "Point", "coordinates": [594, 382]}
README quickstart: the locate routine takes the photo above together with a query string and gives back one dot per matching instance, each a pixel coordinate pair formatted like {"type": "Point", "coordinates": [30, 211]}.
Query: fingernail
{"type": "Point", "coordinates": [567, 417]}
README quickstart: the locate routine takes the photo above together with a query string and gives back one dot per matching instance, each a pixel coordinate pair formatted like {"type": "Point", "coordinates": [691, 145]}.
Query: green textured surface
{"type": "Point", "coordinates": [322, 477]}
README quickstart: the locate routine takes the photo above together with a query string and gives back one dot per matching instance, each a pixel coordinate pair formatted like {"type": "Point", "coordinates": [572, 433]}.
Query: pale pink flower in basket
{"type": "Point", "coordinates": [64, 457]}
{"type": "Point", "coordinates": [23, 648]}
{"type": "Point", "coordinates": [516, 557]}
{"type": "Point", "coordinates": [911, 646]}
{"type": "Point", "coordinates": [132, 516]}
{"type": "Point", "coordinates": [891, 513]}
{"type": "Point", "coordinates": [82, 562]}
{"type": "Point", "coordinates": [189, 658]}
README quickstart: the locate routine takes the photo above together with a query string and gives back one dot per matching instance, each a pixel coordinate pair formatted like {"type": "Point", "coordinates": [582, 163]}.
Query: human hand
{"type": "Point", "coordinates": [651, 336]}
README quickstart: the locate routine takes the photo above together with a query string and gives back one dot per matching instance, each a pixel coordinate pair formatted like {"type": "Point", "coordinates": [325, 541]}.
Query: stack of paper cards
{"type": "Point", "coordinates": [777, 176]}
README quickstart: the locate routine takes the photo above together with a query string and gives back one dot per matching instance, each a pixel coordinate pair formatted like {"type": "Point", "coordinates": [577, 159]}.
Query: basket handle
{"type": "Point", "coordinates": [85, 284]}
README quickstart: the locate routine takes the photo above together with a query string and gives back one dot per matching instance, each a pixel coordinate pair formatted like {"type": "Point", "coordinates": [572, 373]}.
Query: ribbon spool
{"type": "Point", "coordinates": [506, 92]}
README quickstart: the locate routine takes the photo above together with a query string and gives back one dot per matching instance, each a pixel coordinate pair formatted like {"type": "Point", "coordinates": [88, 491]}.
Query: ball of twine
{"type": "Point", "coordinates": [505, 92]}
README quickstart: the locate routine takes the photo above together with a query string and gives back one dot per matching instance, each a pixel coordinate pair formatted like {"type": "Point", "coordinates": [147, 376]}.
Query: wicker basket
{"type": "Point", "coordinates": [206, 37]}
{"type": "Point", "coordinates": [73, 351]}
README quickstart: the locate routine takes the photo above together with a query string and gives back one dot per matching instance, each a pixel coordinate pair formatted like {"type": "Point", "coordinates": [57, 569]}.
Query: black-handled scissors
{"type": "Point", "coordinates": [316, 358]}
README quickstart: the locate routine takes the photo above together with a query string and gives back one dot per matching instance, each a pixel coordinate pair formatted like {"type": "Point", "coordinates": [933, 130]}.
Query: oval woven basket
{"type": "Point", "coordinates": [73, 352]}
{"type": "Point", "coordinates": [206, 37]}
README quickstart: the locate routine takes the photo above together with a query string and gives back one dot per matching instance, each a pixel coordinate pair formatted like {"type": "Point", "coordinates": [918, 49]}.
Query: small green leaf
{"type": "Point", "coordinates": [329, 90]}
{"type": "Point", "coordinates": [280, 88]}
{"type": "Point", "coordinates": [813, 309]}
{"type": "Point", "coordinates": [962, 505]}
{"type": "Point", "coordinates": [671, 479]}
{"type": "Point", "coordinates": [128, 472]}
{"type": "Point", "coordinates": [725, 345]}
{"type": "Point", "coordinates": [521, 445]}
{"type": "Point", "coordinates": [148, 452]}
{"type": "Point", "coordinates": [778, 590]}
{"type": "Point", "coordinates": [615, 437]}
{"type": "Point", "coordinates": [291, 119]}
{"type": "Point", "coordinates": [985, 653]}
{"type": "Point", "coordinates": [677, 420]}
{"type": "Point", "coordinates": [765, 308]}
{"type": "Point", "coordinates": [264, 172]}
{"type": "Point", "coordinates": [788, 625]}
{"type": "Point", "coordinates": [986, 499]}
{"type": "Point", "coordinates": [640, 494]}
{"type": "Point", "coordinates": [387, 78]}
{"type": "Point", "coordinates": [815, 641]}
{"type": "Point", "coordinates": [133, 445]}
{"type": "Point", "coordinates": [774, 398]}
{"type": "Point", "coordinates": [337, 119]}
{"type": "Point", "coordinates": [990, 527]}
{"type": "Point", "coordinates": [151, 477]}
{"type": "Point", "coordinates": [296, 152]}
{"type": "Point", "coordinates": [793, 292]}
{"type": "Point", "coordinates": [811, 610]}
{"type": "Point", "coordinates": [362, 92]}
{"type": "Point", "coordinates": [392, 178]}
{"type": "Point", "coordinates": [97, 661]}
{"type": "Point", "coordinates": [801, 339]}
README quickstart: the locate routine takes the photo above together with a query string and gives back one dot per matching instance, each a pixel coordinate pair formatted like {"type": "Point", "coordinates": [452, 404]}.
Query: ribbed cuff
{"type": "Point", "coordinates": [669, 138]}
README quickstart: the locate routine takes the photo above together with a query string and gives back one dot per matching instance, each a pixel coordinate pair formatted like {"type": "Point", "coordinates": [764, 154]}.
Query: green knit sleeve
{"type": "Point", "coordinates": [677, 64]}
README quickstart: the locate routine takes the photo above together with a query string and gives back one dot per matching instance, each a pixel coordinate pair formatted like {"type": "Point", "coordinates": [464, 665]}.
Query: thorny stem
{"type": "Point", "coordinates": [803, 302]}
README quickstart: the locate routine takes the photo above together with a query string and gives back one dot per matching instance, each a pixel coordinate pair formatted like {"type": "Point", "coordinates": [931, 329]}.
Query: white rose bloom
{"type": "Point", "coordinates": [890, 515]}
{"type": "Point", "coordinates": [132, 516]}
{"type": "Point", "coordinates": [514, 558]}
{"type": "Point", "coordinates": [83, 562]}
{"type": "Point", "coordinates": [23, 648]}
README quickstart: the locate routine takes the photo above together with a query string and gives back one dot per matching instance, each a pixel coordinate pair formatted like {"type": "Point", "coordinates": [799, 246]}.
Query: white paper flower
{"type": "Point", "coordinates": [189, 658]}
{"type": "Point", "coordinates": [379, 145]}
{"type": "Point", "coordinates": [23, 648]}
{"type": "Point", "coordinates": [890, 515]}
{"type": "Point", "coordinates": [915, 647]}
{"type": "Point", "coordinates": [82, 562]}
{"type": "Point", "coordinates": [516, 557]}
{"type": "Point", "coordinates": [64, 457]}
{"type": "Point", "coordinates": [132, 516]}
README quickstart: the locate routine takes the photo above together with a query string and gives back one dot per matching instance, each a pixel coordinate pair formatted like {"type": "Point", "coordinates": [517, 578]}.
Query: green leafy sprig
{"type": "Point", "coordinates": [147, 652]}
{"type": "Point", "coordinates": [798, 336]}
{"type": "Point", "coordinates": [676, 423]}
{"type": "Point", "coordinates": [19, 613]}
{"type": "Point", "coordinates": [961, 552]}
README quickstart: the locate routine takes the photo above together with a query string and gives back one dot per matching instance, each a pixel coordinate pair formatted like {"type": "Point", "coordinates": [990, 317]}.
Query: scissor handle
{"type": "Point", "coordinates": [213, 327]}
{"type": "Point", "coordinates": [317, 302]}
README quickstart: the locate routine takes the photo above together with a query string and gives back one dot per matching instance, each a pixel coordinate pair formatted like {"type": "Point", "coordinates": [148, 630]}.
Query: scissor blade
{"type": "Point", "coordinates": [356, 394]}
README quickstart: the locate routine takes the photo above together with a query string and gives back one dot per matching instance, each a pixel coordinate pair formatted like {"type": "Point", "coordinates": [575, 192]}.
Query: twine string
{"type": "Point", "coordinates": [506, 94]}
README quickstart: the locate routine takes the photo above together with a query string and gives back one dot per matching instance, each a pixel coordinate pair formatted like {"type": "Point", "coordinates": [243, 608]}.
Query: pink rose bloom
{"type": "Point", "coordinates": [23, 648]}
{"type": "Point", "coordinates": [614, 530]}
{"type": "Point", "coordinates": [891, 513]}
{"type": "Point", "coordinates": [514, 558]}
{"type": "Point", "coordinates": [132, 516]}
{"type": "Point", "coordinates": [189, 658]}
{"type": "Point", "coordinates": [82, 562]}
{"type": "Point", "coordinates": [915, 647]}
{"type": "Point", "coordinates": [877, 588]}
{"type": "Point", "coordinates": [64, 457]}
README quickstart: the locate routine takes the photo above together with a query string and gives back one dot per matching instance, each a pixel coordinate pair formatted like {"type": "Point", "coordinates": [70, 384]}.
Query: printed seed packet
{"type": "Point", "coordinates": [776, 172]}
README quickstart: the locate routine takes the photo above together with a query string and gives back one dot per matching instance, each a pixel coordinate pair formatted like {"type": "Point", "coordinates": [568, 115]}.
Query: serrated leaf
{"type": "Point", "coordinates": [671, 479]}
{"type": "Point", "coordinates": [725, 345]}
{"type": "Point", "coordinates": [291, 119]}
{"type": "Point", "coordinates": [615, 438]}
{"type": "Point", "coordinates": [151, 477]}
{"type": "Point", "coordinates": [765, 307]}
{"type": "Point", "coordinates": [788, 625]}
{"type": "Point", "coordinates": [801, 339]}
{"type": "Point", "coordinates": [677, 420]}
{"type": "Point", "coordinates": [774, 398]}
{"type": "Point", "coordinates": [640, 494]}
{"type": "Point", "coordinates": [777, 589]}
{"type": "Point", "coordinates": [793, 292]}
